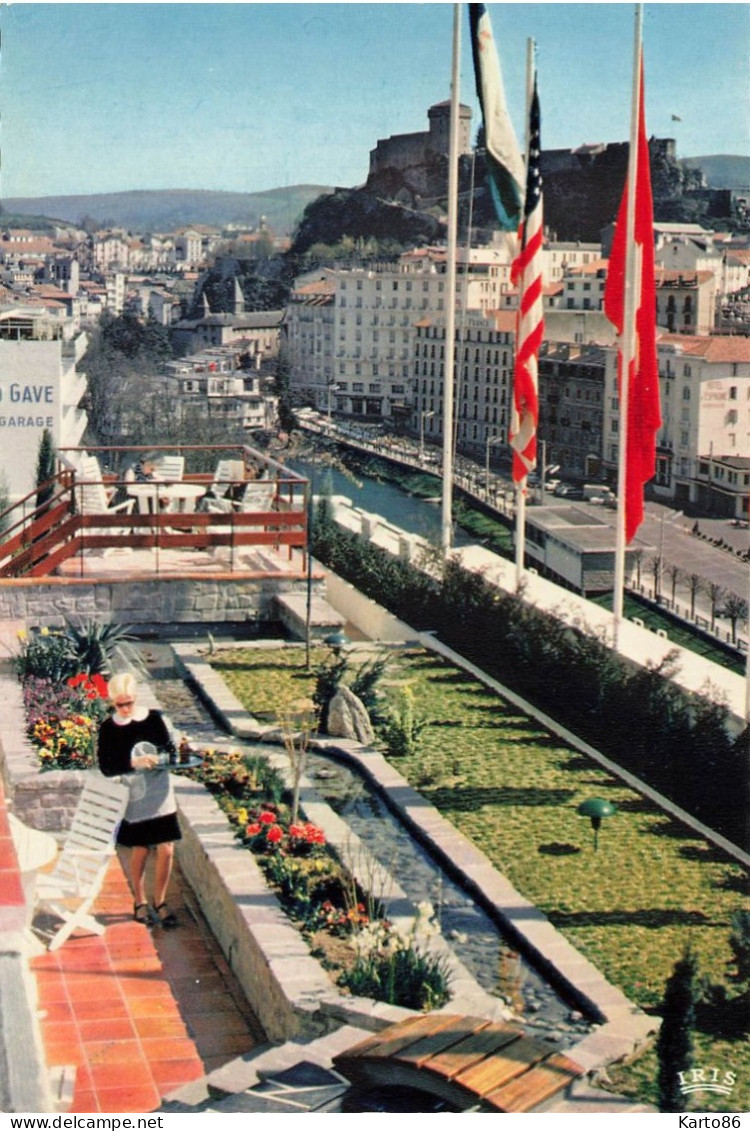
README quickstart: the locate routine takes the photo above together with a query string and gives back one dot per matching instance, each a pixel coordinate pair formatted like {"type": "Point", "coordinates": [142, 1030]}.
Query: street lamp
{"type": "Point", "coordinates": [490, 441]}
{"type": "Point", "coordinates": [422, 417]}
{"type": "Point", "coordinates": [331, 389]}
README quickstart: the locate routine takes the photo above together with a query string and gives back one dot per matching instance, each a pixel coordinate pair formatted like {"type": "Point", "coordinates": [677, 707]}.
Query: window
{"type": "Point", "coordinates": [686, 392]}
{"type": "Point", "coordinates": [733, 392]}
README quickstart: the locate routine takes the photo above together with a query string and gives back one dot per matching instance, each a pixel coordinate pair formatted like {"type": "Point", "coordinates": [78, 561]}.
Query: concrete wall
{"type": "Point", "coordinates": [141, 602]}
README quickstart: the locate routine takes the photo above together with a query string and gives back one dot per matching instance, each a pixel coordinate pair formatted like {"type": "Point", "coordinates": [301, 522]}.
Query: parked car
{"type": "Point", "coordinates": [568, 491]}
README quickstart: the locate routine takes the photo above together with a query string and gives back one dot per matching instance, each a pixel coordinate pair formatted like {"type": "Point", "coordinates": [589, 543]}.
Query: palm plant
{"type": "Point", "coordinates": [95, 646]}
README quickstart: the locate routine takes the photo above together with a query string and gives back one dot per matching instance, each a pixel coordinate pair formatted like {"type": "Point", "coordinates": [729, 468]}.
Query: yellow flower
{"type": "Point", "coordinates": [45, 631]}
{"type": "Point", "coordinates": [21, 634]}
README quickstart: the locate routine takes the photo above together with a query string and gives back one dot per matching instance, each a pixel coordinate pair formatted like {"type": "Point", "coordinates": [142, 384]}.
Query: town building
{"type": "Point", "coordinates": [226, 383]}
{"type": "Point", "coordinates": [40, 388]}
{"type": "Point", "coordinates": [571, 408]}
{"type": "Point", "coordinates": [704, 441]}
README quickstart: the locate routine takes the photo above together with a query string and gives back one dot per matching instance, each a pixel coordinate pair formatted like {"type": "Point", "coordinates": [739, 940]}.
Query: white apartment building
{"type": "Point", "coordinates": [350, 333]}
{"type": "Point", "coordinates": [110, 250]}
{"type": "Point", "coordinates": [40, 388]}
{"type": "Point", "coordinates": [705, 409]}
{"type": "Point", "coordinates": [583, 287]}
{"type": "Point", "coordinates": [559, 258]}
{"type": "Point", "coordinates": [686, 300]}
{"type": "Point", "coordinates": [483, 380]}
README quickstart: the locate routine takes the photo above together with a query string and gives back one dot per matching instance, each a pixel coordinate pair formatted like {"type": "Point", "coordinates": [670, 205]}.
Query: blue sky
{"type": "Point", "coordinates": [253, 96]}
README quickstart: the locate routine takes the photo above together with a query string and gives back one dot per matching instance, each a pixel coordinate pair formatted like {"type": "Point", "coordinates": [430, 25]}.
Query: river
{"type": "Point", "coordinates": [409, 513]}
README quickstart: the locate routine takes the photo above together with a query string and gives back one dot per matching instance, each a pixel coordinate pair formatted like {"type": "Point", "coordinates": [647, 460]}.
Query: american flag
{"type": "Point", "coordinates": [527, 273]}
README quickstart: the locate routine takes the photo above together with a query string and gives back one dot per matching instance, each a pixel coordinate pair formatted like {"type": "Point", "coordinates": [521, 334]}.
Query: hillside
{"type": "Point", "coordinates": [164, 210]}
{"type": "Point", "coordinates": [722, 171]}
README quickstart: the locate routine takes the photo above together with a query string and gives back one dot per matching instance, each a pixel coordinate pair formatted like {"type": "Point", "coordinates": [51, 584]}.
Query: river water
{"type": "Point", "coordinates": [410, 513]}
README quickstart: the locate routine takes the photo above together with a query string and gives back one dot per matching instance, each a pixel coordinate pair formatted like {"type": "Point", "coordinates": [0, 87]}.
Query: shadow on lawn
{"type": "Point", "coordinates": [653, 918]}
{"type": "Point", "coordinates": [468, 800]}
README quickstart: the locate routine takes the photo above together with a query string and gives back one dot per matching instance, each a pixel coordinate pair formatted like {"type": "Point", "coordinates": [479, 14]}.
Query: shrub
{"type": "Point", "coordinates": [402, 730]}
{"type": "Point", "coordinates": [45, 654]}
{"type": "Point", "coordinates": [675, 1042]}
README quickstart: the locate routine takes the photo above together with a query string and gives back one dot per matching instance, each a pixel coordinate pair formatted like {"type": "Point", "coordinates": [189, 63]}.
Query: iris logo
{"type": "Point", "coordinates": [706, 1080]}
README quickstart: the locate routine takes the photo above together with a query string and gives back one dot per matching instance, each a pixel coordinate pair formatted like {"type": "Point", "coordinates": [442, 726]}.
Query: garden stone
{"type": "Point", "coordinates": [348, 718]}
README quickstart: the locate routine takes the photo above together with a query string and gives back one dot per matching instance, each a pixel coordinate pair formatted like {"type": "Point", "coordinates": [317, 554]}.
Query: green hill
{"type": "Point", "coordinates": [164, 210]}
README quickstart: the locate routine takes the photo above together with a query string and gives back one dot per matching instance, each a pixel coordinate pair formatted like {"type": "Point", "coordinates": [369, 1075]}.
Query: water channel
{"type": "Point", "coordinates": [474, 936]}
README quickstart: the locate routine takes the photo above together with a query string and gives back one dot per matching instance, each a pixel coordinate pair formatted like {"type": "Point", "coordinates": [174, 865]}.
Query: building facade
{"type": "Point", "coordinates": [40, 388]}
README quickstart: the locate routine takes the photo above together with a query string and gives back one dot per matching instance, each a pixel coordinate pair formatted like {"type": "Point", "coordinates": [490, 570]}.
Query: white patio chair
{"type": "Point", "coordinates": [228, 471]}
{"type": "Point", "coordinates": [259, 495]}
{"type": "Point", "coordinates": [69, 890]}
{"type": "Point", "coordinates": [170, 469]}
{"type": "Point", "coordinates": [93, 497]}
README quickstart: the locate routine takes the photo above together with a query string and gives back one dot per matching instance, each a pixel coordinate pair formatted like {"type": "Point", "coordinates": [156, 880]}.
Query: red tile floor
{"type": "Point", "coordinates": [139, 1011]}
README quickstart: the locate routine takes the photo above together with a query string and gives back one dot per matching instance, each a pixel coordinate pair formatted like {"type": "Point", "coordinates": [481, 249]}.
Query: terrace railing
{"type": "Point", "coordinates": [62, 519]}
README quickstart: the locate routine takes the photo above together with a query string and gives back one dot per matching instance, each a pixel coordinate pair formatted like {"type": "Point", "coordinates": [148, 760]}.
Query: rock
{"type": "Point", "coordinates": [348, 718]}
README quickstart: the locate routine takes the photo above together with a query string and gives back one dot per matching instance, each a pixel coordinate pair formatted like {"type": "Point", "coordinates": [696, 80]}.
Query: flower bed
{"type": "Point", "coordinates": [345, 926]}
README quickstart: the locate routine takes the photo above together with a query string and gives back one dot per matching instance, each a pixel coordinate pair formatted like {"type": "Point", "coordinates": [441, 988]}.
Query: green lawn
{"type": "Point", "coordinates": [632, 907]}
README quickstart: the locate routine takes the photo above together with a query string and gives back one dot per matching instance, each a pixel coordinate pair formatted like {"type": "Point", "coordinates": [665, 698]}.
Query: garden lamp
{"type": "Point", "coordinates": [597, 809]}
{"type": "Point", "coordinates": [337, 641]}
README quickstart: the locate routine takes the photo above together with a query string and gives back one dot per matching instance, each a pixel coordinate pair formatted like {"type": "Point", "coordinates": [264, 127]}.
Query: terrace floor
{"type": "Point", "coordinates": [136, 1012]}
{"type": "Point", "coordinates": [260, 561]}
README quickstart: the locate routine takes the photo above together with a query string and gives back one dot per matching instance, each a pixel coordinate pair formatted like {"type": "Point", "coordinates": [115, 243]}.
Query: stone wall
{"type": "Point", "coordinates": [141, 602]}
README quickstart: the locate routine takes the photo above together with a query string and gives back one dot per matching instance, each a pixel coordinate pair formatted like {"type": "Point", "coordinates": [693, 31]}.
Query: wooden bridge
{"type": "Point", "coordinates": [470, 1062]}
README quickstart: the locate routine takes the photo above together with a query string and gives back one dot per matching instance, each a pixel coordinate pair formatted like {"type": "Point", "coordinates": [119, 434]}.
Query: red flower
{"type": "Point", "coordinates": [252, 830]}
{"type": "Point", "coordinates": [297, 831]}
{"type": "Point", "coordinates": [99, 685]}
{"type": "Point", "coordinates": [76, 680]}
{"type": "Point", "coordinates": [267, 818]}
{"type": "Point", "coordinates": [274, 835]}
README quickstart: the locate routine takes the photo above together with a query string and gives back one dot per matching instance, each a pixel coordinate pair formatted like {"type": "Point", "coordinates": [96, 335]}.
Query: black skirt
{"type": "Point", "coordinates": [144, 834]}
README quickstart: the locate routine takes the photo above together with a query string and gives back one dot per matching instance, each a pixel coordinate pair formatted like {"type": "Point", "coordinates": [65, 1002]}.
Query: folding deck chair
{"type": "Point", "coordinates": [70, 889]}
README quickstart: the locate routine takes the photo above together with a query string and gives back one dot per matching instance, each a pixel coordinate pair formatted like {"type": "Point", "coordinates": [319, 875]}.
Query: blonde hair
{"type": "Point", "coordinates": [122, 684]}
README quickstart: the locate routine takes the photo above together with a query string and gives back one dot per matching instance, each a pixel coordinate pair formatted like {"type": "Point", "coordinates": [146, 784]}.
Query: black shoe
{"type": "Point", "coordinates": [164, 916]}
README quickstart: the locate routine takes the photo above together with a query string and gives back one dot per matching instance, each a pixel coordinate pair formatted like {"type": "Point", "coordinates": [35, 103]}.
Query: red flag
{"type": "Point", "coordinates": [644, 418]}
{"type": "Point", "coordinates": [527, 271]}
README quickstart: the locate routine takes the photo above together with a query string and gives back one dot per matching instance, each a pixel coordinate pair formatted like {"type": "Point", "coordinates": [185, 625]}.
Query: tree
{"type": "Point", "coordinates": [4, 502]}
{"type": "Point", "coordinates": [287, 420]}
{"type": "Point", "coordinates": [675, 1043]}
{"type": "Point", "coordinates": [675, 574]}
{"type": "Point", "coordinates": [655, 565]}
{"type": "Point", "coordinates": [46, 466]}
{"type": "Point", "coordinates": [716, 594]}
{"type": "Point", "coordinates": [735, 610]}
{"type": "Point", "coordinates": [695, 586]}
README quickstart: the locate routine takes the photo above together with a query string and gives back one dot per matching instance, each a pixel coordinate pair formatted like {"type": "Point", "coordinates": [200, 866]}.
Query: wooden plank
{"type": "Point", "coordinates": [396, 1037]}
{"type": "Point", "coordinates": [469, 1047]}
{"type": "Point", "coordinates": [496, 1069]}
{"type": "Point", "coordinates": [527, 1091]}
{"type": "Point", "coordinates": [433, 1044]}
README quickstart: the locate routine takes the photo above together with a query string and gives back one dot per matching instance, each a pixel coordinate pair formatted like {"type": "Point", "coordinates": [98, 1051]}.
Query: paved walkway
{"type": "Point", "coordinates": [135, 1013]}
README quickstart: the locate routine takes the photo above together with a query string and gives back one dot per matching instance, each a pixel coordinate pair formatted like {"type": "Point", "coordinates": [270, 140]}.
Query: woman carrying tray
{"type": "Point", "coordinates": [150, 820]}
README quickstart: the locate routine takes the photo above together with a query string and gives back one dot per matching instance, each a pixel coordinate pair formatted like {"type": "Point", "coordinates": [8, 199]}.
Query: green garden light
{"type": "Point", "coordinates": [597, 809]}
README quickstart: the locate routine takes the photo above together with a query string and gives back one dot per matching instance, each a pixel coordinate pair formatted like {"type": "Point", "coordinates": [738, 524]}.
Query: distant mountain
{"type": "Point", "coordinates": [157, 210]}
{"type": "Point", "coordinates": [722, 170]}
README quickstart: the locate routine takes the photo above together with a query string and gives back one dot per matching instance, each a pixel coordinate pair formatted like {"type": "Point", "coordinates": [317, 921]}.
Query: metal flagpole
{"type": "Point", "coordinates": [450, 307]}
{"type": "Point", "coordinates": [521, 485]}
{"type": "Point", "coordinates": [627, 345]}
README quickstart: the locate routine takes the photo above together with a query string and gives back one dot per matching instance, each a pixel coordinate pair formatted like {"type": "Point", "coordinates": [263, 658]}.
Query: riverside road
{"type": "Point", "coordinates": [666, 533]}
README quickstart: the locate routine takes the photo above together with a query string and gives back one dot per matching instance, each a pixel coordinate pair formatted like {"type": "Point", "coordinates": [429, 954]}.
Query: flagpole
{"type": "Point", "coordinates": [521, 485]}
{"type": "Point", "coordinates": [450, 309]}
{"type": "Point", "coordinates": [627, 345]}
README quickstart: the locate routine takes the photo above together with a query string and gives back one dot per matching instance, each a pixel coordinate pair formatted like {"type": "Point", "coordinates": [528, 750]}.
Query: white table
{"type": "Point", "coordinates": [176, 496]}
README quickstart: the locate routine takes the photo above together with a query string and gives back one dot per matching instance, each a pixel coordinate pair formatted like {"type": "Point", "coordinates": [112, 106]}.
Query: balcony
{"type": "Point", "coordinates": [98, 523]}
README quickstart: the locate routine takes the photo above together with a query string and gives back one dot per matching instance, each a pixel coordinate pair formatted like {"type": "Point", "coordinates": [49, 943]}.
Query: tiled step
{"type": "Point", "coordinates": [289, 1077]}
